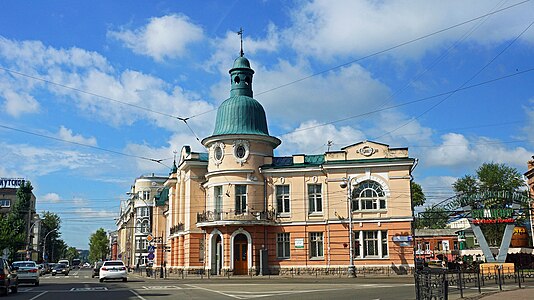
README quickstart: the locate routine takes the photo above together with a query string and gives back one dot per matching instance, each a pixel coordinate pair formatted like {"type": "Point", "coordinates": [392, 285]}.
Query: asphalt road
{"type": "Point", "coordinates": [80, 286]}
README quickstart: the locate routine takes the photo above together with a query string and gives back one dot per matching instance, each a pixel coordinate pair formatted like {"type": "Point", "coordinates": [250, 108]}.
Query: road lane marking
{"type": "Point", "coordinates": [138, 296]}
{"type": "Point", "coordinates": [39, 295]}
{"type": "Point", "coordinates": [213, 291]}
{"type": "Point", "coordinates": [162, 287]}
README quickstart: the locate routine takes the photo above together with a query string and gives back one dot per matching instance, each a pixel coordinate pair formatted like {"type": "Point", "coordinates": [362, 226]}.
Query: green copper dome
{"type": "Point", "coordinates": [241, 114]}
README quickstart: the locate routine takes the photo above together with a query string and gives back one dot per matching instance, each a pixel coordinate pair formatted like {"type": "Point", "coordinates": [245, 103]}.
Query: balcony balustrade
{"type": "Point", "coordinates": [231, 216]}
{"type": "Point", "coordinates": [177, 228]}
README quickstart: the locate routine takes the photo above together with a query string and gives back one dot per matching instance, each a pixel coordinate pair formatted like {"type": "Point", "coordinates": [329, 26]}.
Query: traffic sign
{"type": "Point", "coordinates": [150, 256]}
{"type": "Point", "coordinates": [151, 248]}
{"type": "Point", "coordinates": [149, 238]}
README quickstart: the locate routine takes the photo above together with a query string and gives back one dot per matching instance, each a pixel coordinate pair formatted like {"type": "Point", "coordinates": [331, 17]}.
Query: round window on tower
{"type": "Point", "coordinates": [218, 153]}
{"type": "Point", "coordinates": [241, 151]}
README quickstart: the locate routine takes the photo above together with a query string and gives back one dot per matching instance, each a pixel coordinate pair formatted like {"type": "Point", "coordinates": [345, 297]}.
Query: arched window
{"type": "Point", "coordinates": [368, 195]}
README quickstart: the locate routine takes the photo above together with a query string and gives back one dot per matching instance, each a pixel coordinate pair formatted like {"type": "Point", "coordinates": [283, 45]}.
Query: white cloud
{"type": "Point", "coordinates": [39, 161]}
{"type": "Point", "coordinates": [66, 134]}
{"type": "Point", "coordinates": [436, 188]}
{"type": "Point", "coordinates": [18, 103]}
{"type": "Point", "coordinates": [310, 138]}
{"type": "Point", "coordinates": [529, 128]}
{"type": "Point", "coordinates": [163, 37]}
{"type": "Point", "coordinates": [457, 151]}
{"type": "Point", "coordinates": [327, 29]}
{"type": "Point", "coordinates": [50, 197]}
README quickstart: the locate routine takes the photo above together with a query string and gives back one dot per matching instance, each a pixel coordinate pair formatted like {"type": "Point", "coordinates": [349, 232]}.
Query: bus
{"type": "Point", "coordinates": [76, 263]}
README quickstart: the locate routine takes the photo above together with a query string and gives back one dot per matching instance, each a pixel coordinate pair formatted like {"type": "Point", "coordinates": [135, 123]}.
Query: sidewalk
{"type": "Point", "coordinates": [515, 294]}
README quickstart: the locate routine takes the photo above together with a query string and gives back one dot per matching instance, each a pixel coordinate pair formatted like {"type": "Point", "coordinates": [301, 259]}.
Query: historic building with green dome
{"type": "Point", "coordinates": [239, 209]}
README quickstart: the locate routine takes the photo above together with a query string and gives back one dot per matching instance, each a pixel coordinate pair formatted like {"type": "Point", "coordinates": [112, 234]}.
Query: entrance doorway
{"type": "Point", "coordinates": [216, 255]}
{"type": "Point", "coordinates": [240, 254]}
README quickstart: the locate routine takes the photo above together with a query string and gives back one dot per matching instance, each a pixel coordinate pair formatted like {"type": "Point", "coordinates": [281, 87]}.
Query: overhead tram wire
{"type": "Point", "coordinates": [414, 101]}
{"type": "Point", "coordinates": [463, 84]}
{"type": "Point", "coordinates": [185, 119]}
{"type": "Point", "coordinates": [378, 52]}
{"type": "Point", "coordinates": [159, 161]}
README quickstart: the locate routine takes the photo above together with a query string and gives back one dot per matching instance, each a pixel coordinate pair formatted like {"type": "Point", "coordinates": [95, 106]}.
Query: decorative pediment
{"type": "Point", "coordinates": [365, 150]}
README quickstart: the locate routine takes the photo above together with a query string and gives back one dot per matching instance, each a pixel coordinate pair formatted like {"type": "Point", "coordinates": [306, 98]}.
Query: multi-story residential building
{"type": "Point", "coordinates": [530, 181]}
{"type": "Point", "coordinates": [135, 220]}
{"type": "Point", "coordinates": [240, 209]}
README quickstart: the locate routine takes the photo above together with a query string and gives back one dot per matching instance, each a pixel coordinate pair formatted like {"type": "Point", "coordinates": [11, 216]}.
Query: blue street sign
{"type": "Point", "coordinates": [150, 256]}
{"type": "Point", "coordinates": [151, 248]}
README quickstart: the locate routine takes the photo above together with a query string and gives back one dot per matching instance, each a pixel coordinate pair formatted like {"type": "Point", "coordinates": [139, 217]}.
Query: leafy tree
{"type": "Point", "coordinates": [98, 245]}
{"type": "Point", "coordinates": [432, 217]}
{"type": "Point", "coordinates": [13, 228]}
{"type": "Point", "coordinates": [491, 177]}
{"type": "Point", "coordinates": [418, 197]}
{"type": "Point", "coordinates": [50, 225]}
{"type": "Point", "coordinates": [72, 253]}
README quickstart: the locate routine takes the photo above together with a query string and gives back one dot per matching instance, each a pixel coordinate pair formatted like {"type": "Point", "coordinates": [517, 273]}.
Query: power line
{"type": "Point", "coordinates": [462, 88]}
{"type": "Point", "coordinates": [463, 84]}
{"type": "Point", "coordinates": [159, 161]}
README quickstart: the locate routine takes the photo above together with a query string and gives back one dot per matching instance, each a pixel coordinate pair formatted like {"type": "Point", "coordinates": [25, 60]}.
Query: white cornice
{"type": "Point", "coordinates": [227, 172]}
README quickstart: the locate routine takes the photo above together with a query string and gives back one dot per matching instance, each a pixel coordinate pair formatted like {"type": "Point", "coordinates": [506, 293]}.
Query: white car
{"type": "Point", "coordinates": [113, 269]}
{"type": "Point", "coordinates": [27, 271]}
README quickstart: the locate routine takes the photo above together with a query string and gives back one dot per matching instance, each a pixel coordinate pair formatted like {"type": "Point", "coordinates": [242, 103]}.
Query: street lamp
{"type": "Point", "coordinates": [44, 244]}
{"type": "Point", "coordinates": [348, 184]}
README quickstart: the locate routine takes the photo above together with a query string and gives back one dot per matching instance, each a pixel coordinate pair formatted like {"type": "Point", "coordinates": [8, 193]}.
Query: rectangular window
{"type": "Point", "coordinates": [315, 198]}
{"type": "Point", "coordinates": [384, 243]}
{"type": "Point", "coordinates": [5, 203]}
{"type": "Point", "coordinates": [357, 244]}
{"type": "Point", "coordinates": [218, 200]}
{"type": "Point", "coordinates": [316, 245]}
{"type": "Point", "coordinates": [282, 199]}
{"type": "Point", "coordinates": [201, 247]}
{"type": "Point", "coordinates": [283, 245]}
{"type": "Point", "coordinates": [370, 243]}
{"type": "Point", "coordinates": [240, 199]}
{"type": "Point", "coordinates": [455, 245]}
{"type": "Point", "coordinates": [427, 246]}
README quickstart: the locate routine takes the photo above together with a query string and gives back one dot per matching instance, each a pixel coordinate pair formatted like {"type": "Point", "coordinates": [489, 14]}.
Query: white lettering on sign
{"type": "Point", "coordinates": [11, 182]}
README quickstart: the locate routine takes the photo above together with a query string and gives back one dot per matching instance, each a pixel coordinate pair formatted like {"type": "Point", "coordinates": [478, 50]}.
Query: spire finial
{"type": "Point", "coordinates": [240, 33]}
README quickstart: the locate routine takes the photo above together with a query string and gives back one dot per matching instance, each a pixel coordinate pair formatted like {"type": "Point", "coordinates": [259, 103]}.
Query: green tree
{"type": "Point", "coordinates": [72, 253]}
{"type": "Point", "coordinates": [50, 225]}
{"type": "Point", "coordinates": [432, 217]}
{"type": "Point", "coordinates": [491, 177]}
{"type": "Point", "coordinates": [418, 197]}
{"type": "Point", "coordinates": [98, 245]}
{"type": "Point", "coordinates": [14, 228]}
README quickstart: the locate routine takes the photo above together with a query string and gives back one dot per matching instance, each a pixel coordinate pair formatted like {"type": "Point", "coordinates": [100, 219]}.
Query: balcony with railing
{"type": "Point", "coordinates": [231, 217]}
{"type": "Point", "coordinates": [177, 228]}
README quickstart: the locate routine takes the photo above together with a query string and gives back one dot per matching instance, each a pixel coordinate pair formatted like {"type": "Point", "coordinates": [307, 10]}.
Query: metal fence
{"type": "Point", "coordinates": [437, 284]}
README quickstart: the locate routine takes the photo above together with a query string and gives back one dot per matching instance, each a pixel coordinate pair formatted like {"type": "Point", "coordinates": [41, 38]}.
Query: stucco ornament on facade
{"type": "Point", "coordinates": [241, 151]}
{"type": "Point", "coordinates": [217, 153]}
{"type": "Point", "coordinates": [367, 151]}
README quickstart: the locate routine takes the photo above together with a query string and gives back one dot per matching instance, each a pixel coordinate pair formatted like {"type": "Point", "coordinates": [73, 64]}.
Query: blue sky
{"type": "Point", "coordinates": [361, 80]}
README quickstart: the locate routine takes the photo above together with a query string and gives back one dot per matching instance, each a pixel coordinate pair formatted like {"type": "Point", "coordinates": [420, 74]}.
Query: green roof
{"type": "Point", "coordinates": [162, 197]}
{"type": "Point", "coordinates": [241, 113]}
{"type": "Point", "coordinates": [317, 160]}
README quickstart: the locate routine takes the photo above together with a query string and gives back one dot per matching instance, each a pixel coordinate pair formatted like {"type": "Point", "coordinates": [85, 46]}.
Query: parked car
{"type": "Point", "coordinates": [60, 269]}
{"type": "Point", "coordinates": [27, 271]}
{"type": "Point", "coordinates": [113, 269]}
{"type": "Point", "coordinates": [8, 278]}
{"type": "Point", "coordinates": [96, 269]}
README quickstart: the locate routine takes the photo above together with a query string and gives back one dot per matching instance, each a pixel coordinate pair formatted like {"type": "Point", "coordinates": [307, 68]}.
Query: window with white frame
{"type": "Point", "coordinates": [5, 203]}
{"type": "Point", "coordinates": [240, 199]}
{"type": "Point", "coordinates": [371, 244]}
{"type": "Point", "coordinates": [218, 199]}
{"type": "Point", "coordinates": [283, 245]}
{"type": "Point", "coordinates": [141, 244]}
{"type": "Point", "coordinates": [144, 195]}
{"type": "Point", "coordinates": [143, 226]}
{"type": "Point", "coordinates": [316, 245]}
{"type": "Point", "coordinates": [315, 198]}
{"type": "Point", "coordinates": [143, 211]}
{"type": "Point", "coordinates": [282, 199]}
{"type": "Point", "coordinates": [368, 195]}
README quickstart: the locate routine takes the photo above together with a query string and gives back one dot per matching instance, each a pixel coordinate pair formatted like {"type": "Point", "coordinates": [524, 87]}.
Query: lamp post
{"type": "Point", "coordinates": [44, 244]}
{"type": "Point", "coordinates": [348, 184]}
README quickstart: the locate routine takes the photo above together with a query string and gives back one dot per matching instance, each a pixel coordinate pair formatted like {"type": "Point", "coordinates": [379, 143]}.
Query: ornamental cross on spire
{"type": "Point", "coordinates": [240, 33]}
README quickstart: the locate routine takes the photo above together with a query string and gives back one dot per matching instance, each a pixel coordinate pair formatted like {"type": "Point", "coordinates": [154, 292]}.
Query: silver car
{"type": "Point", "coordinates": [27, 271]}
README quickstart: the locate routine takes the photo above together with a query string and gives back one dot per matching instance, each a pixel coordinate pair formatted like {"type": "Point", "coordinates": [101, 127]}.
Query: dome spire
{"type": "Point", "coordinates": [240, 33]}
